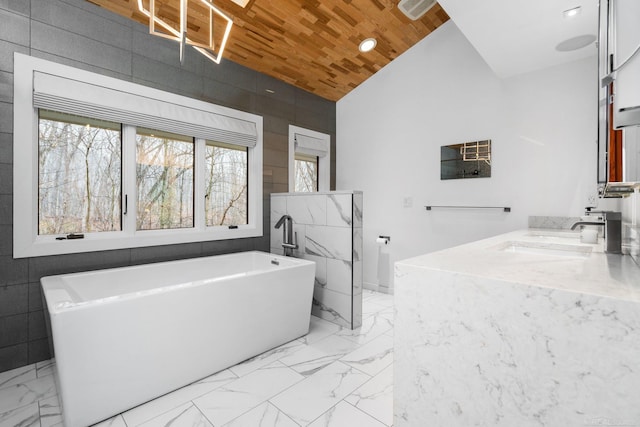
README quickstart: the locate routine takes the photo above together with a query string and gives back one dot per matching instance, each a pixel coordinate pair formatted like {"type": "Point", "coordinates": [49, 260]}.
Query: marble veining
{"type": "Point", "coordinates": [17, 376]}
{"type": "Point", "coordinates": [330, 242]}
{"type": "Point", "coordinates": [552, 222]}
{"type": "Point", "coordinates": [232, 400]}
{"type": "Point", "coordinates": [185, 415]}
{"type": "Point", "coordinates": [315, 357]}
{"type": "Point", "coordinates": [116, 421]}
{"type": "Point", "coordinates": [375, 395]}
{"type": "Point", "coordinates": [357, 209]}
{"type": "Point", "coordinates": [321, 269]}
{"type": "Point", "coordinates": [265, 415]}
{"type": "Point", "coordinates": [521, 344]}
{"type": "Point", "coordinates": [50, 412]}
{"type": "Point", "coordinates": [372, 327]}
{"type": "Point", "coordinates": [331, 306]}
{"type": "Point", "coordinates": [310, 398]}
{"type": "Point", "coordinates": [352, 380]}
{"type": "Point", "coordinates": [329, 231]}
{"type": "Point", "coordinates": [266, 358]}
{"type": "Point", "coordinates": [357, 246]}
{"type": "Point", "coordinates": [339, 210]}
{"type": "Point", "coordinates": [372, 357]}
{"type": "Point", "coordinates": [28, 415]}
{"type": "Point", "coordinates": [339, 276]}
{"type": "Point", "coordinates": [25, 393]}
{"type": "Point", "coordinates": [156, 407]}
{"type": "Point", "coordinates": [343, 414]}
{"type": "Point", "coordinates": [308, 209]}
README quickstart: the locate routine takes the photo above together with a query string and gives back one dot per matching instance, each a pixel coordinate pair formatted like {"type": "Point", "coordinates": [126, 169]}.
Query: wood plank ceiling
{"type": "Point", "coordinates": [311, 44]}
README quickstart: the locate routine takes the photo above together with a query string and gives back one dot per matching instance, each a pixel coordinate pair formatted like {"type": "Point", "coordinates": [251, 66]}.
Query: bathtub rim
{"type": "Point", "coordinates": [54, 288]}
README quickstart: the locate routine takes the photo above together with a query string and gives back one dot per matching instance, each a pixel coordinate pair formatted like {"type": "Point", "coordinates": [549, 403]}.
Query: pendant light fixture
{"type": "Point", "coordinates": [159, 27]}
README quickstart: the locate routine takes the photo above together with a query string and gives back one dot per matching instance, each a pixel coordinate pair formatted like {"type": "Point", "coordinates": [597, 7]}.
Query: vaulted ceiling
{"type": "Point", "coordinates": [311, 44]}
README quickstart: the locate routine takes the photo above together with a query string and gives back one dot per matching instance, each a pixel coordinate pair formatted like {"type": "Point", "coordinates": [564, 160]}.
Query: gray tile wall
{"type": "Point", "coordinates": [80, 34]}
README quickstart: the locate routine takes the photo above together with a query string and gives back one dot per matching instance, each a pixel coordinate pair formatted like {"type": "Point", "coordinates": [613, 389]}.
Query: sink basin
{"type": "Point", "coordinates": [542, 234]}
{"type": "Point", "coordinates": [548, 249]}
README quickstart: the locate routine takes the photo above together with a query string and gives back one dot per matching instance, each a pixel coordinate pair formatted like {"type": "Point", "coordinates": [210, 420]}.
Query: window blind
{"type": "Point", "coordinates": [89, 100]}
{"type": "Point", "coordinates": [310, 146]}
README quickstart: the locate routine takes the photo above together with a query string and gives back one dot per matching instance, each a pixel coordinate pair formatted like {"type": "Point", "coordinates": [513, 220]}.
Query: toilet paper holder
{"type": "Point", "coordinates": [383, 239]}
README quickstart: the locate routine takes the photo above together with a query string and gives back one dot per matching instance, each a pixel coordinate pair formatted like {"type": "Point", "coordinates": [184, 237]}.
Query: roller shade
{"type": "Point", "coordinates": [84, 99]}
{"type": "Point", "coordinates": [311, 146]}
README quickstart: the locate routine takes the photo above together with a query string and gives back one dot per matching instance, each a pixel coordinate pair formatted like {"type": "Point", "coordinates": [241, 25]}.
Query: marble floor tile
{"type": "Point", "coordinates": [50, 412]}
{"type": "Point", "coordinates": [186, 415]}
{"type": "Point", "coordinates": [27, 416]}
{"type": "Point", "coordinates": [372, 357]}
{"type": "Point", "coordinates": [332, 306]}
{"type": "Point", "coordinates": [116, 421]}
{"type": "Point", "coordinates": [377, 298]}
{"type": "Point", "coordinates": [372, 327]}
{"type": "Point", "coordinates": [375, 397]}
{"type": "Point", "coordinates": [308, 399]}
{"type": "Point", "coordinates": [330, 377]}
{"type": "Point", "coordinates": [26, 393]}
{"type": "Point", "coordinates": [316, 356]}
{"type": "Point", "coordinates": [266, 358]}
{"type": "Point", "coordinates": [154, 408]}
{"type": "Point", "coordinates": [319, 329]}
{"type": "Point", "coordinates": [237, 397]}
{"type": "Point", "coordinates": [370, 308]}
{"type": "Point", "coordinates": [387, 313]}
{"type": "Point", "coordinates": [265, 415]}
{"type": "Point", "coordinates": [345, 415]}
{"type": "Point", "coordinates": [45, 368]}
{"type": "Point", "coordinates": [17, 376]}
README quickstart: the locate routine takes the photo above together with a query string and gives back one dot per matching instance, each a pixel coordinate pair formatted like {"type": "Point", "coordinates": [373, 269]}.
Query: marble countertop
{"type": "Point", "coordinates": [606, 275]}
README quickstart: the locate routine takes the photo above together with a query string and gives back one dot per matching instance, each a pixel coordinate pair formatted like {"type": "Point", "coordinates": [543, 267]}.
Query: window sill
{"type": "Point", "coordinates": [43, 246]}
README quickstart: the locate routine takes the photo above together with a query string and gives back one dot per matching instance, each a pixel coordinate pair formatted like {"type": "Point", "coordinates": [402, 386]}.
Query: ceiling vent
{"type": "Point", "coordinates": [414, 9]}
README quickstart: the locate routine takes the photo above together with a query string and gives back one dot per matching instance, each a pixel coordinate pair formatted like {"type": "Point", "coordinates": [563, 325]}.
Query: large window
{"type": "Point", "coordinates": [164, 180]}
{"type": "Point", "coordinates": [105, 164]}
{"type": "Point", "coordinates": [79, 174]}
{"type": "Point", "coordinates": [225, 184]}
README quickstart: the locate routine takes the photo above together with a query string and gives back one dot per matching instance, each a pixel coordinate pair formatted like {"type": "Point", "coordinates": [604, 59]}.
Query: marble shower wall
{"type": "Point", "coordinates": [329, 229]}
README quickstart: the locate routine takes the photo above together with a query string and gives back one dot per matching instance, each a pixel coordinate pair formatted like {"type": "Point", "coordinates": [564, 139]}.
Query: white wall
{"type": "Point", "coordinates": [390, 129]}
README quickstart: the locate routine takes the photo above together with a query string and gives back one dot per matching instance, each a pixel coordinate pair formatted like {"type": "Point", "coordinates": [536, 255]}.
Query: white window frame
{"type": "Point", "coordinates": [324, 162]}
{"type": "Point", "coordinates": [27, 242]}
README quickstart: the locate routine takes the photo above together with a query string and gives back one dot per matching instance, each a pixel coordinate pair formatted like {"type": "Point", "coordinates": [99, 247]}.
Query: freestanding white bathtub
{"type": "Point", "coordinates": [124, 336]}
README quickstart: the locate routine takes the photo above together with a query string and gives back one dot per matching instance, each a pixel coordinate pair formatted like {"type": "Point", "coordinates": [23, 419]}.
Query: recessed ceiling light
{"type": "Point", "coordinates": [570, 13]}
{"type": "Point", "coordinates": [367, 45]}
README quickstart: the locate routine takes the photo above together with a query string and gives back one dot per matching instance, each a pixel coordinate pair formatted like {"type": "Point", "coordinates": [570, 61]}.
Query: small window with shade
{"type": "Point", "coordinates": [306, 173]}
{"type": "Point", "coordinates": [309, 160]}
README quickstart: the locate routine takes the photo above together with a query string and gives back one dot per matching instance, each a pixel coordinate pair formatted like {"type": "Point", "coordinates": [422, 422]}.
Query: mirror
{"type": "Point", "coordinates": [619, 86]}
{"type": "Point", "coordinates": [466, 160]}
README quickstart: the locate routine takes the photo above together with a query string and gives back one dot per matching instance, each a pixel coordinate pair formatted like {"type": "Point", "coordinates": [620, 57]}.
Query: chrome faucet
{"type": "Point", "coordinates": [289, 238]}
{"type": "Point", "coordinates": [612, 230]}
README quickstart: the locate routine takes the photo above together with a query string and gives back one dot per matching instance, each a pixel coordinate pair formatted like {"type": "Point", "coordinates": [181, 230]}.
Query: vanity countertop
{"type": "Point", "coordinates": [595, 273]}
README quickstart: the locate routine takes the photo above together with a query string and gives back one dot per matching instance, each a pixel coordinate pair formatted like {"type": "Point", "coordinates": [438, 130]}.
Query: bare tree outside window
{"type": "Point", "coordinates": [306, 173]}
{"type": "Point", "coordinates": [225, 184]}
{"type": "Point", "coordinates": [79, 174]}
{"type": "Point", "coordinates": [164, 174]}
